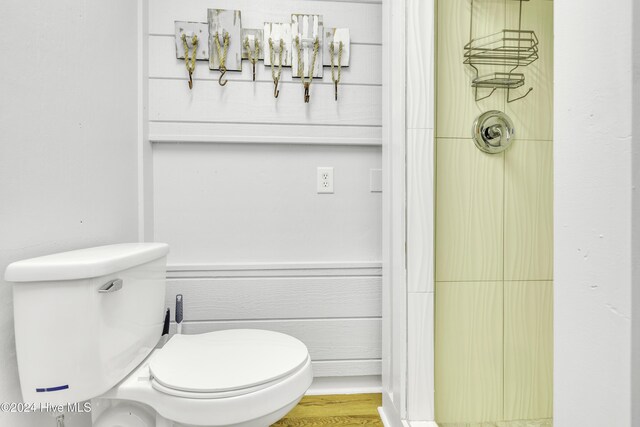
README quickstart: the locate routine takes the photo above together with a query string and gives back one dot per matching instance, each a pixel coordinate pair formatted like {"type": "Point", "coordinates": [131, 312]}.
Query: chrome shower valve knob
{"type": "Point", "coordinates": [493, 132]}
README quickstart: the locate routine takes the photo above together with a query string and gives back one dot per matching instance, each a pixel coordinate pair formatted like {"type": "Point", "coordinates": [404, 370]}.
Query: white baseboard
{"type": "Point", "coordinates": [391, 418]}
{"type": "Point", "coordinates": [345, 385]}
{"type": "Point", "coordinates": [388, 413]}
{"type": "Point", "coordinates": [387, 423]}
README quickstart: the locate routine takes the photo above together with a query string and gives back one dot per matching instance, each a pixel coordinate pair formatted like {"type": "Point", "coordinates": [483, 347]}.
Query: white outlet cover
{"type": "Point", "coordinates": [325, 180]}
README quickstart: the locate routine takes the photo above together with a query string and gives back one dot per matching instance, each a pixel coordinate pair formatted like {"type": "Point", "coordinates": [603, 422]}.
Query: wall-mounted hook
{"type": "Point", "coordinates": [190, 59]}
{"type": "Point", "coordinates": [252, 48]}
{"type": "Point", "coordinates": [189, 37]}
{"type": "Point", "coordinates": [337, 49]}
{"type": "Point", "coordinates": [252, 55]}
{"type": "Point", "coordinates": [225, 41]}
{"type": "Point", "coordinates": [308, 34]}
{"type": "Point", "coordinates": [307, 83]}
{"type": "Point", "coordinates": [222, 55]}
{"type": "Point", "coordinates": [276, 91]}
{"type": "Point", "coordinates": [222, 82]}
{"type": "Point", "coordinates": [272, 56]}
{"type": "Point", "coordinates": [306, 92]}
{"type": "Point", "coordinates": [335, 79]}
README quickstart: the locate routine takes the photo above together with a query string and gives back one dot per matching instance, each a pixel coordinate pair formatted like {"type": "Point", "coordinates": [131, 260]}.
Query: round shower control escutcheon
{"type": "Point", "coordinates": [493, 132]}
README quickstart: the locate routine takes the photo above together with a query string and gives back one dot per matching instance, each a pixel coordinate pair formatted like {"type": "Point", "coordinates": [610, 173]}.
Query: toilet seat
{"type": "Point", "coordinates": [225, 363]}
{"type": "Point", "coordinates": [252, 406]}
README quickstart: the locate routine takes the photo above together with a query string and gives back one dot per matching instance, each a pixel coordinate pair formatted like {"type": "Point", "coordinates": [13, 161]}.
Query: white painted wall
{"type": "Point", "coordinates": [67, 146]}
{"type": "Point", "coordinates": [234, 187]}
{"type": "Point", "coordinates": [595, 176]}
{"type": "Point", "coordinates": [258, 203]}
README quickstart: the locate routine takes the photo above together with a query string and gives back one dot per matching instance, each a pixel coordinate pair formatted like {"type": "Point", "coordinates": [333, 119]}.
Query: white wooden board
{"type": "Point", "coordinates": [277, 31]}
{"type": "Point", "coordinates": [189, 29]}
{"type": "Point", "coordinates": [277, 298]}
{"type": "Point", "coordinates": [335, 36]}
{"type": "Point", "coordinates": [346, 368]}
{"type": "Point", "coordinates": [305, 30]}
{"type": "Point", "coordinates": [252, 36]}
{"type": "Point", "coordinates": [223, 21]}
{"type": "Point", "coordinates": [359, 105]}
{"type": "Point", "coordinates": [363, 19]}
{"type": "Point", "coordinates": [327, 339]}
{"type": "Point", "coordinates": [252, 133]}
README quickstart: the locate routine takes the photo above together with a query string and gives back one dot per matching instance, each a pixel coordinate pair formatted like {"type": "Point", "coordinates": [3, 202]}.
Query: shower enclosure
{"type": "Point", "coordinates": [494, 215]}
{"type": "Point", "coordinates": [475, 307]}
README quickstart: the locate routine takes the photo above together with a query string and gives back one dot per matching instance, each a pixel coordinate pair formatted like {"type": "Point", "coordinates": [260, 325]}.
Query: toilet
{"type": "Point", "coordinates": [88, 324]}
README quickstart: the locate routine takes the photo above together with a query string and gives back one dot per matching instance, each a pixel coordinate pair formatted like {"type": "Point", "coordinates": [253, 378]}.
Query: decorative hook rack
{"type": "Point", "coordinates": [253, 49]}
{"type": "Point", "coordinates": [337, 52]}
{"type": "Point", "coordinates": [277, 39]}
{"type": "Point", "coordinates": [190, 44]}
{"type": "Point", "coordinates": [508, 48]}
{"type": "Point", "coordinates": [307, 62]}
{"type": "Point", "coordinates": [225, 41]}
{"type": "Point", "coordinates": [301, 44]}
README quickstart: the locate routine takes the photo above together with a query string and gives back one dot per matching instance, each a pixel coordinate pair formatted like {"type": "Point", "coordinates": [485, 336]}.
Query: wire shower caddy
{"type": "Point", "coordinates": [512, 48]}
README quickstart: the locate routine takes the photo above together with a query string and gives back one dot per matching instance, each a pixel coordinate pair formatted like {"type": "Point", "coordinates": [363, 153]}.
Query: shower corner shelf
{"type": "Point", "coordinates": [499, 81]}
{"type": "Point", "coordinates": [506, 47]}
{"type": "Point", "coordinates": [512, 48]}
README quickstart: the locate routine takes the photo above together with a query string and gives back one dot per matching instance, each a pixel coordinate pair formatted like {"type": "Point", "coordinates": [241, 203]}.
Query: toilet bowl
{"type": "Point", "coordinates": [240, 377]}
{"type": "Point", "coordinates": [87, 326]}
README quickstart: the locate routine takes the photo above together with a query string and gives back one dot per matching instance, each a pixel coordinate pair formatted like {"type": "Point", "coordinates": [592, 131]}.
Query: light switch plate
{"type": "Point", "coordinates": [375, 180]}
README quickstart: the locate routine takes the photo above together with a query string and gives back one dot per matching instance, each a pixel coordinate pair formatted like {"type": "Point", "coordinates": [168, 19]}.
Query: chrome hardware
{"type": "Point", "coordinates": [111, 286]}
{"type": "Point", "coordinates": [511, 48]}
{"type": "Point", "coordinates": [493, 132]}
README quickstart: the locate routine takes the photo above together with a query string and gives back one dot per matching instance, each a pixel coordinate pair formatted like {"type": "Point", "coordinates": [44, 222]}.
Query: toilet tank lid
{"type": "Point", "coordinates": [84, 263]}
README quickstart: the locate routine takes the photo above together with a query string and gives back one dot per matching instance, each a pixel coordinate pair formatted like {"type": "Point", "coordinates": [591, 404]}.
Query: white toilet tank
{"type": "Point", "coordinates": [84, 319]}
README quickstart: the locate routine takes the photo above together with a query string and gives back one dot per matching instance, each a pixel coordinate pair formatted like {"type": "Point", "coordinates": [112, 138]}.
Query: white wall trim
{"type": "Point", "coordinates": [145, 156]}
{"type": "Point", "coordinates": [345, 385]}
{"type": "Point", "coordinates": [388, 414]}
{"type": "Point", "coordinates": [420, 179]}
{"type": "Point", "coordinates": [394, 294]}
{"type": "Point", "coordinates": [287, 140]}
{"type": "Point", "coordinates": [300, 269]}
{"type": "Point", "coordinates": [422, 424]}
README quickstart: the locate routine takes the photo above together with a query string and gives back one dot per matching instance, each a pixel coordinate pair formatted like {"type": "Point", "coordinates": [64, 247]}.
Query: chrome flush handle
{"type": "Point", "coordinates": [111, 286]}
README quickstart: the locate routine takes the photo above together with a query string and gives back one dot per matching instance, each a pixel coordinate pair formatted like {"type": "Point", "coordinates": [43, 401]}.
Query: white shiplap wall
{"type": "Point", "coordinates": [252, 244]}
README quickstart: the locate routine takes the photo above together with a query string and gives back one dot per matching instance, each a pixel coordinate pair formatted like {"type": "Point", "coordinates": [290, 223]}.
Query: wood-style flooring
{"type": "Point", "coordinates": [335, 410]}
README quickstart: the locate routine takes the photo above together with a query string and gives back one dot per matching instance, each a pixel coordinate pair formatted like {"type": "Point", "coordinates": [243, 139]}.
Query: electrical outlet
{"type": "Point", "coordinates": [325, 180]}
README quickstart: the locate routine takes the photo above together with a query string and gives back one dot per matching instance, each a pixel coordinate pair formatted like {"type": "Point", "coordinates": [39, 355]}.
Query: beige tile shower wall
{"type": "Point", "coordinates": [494, 229]}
